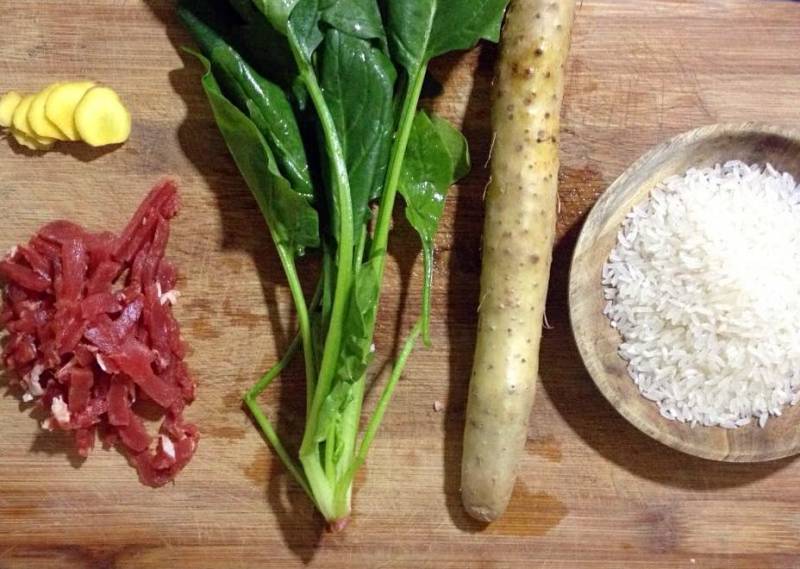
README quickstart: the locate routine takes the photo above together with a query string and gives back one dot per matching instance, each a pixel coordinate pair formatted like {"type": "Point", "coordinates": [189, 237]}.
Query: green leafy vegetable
{"type": "Point", "coordinates": [287, 212]}
{"type": "Point", "coordinates": [267, 104]}
{"type": "Point", "coordinates": [420, 30]}
{"type": "Point", "coordinates": [437, 157]}
{"type": "Point", "coordinates": [317, 102]}
{"type": "Point", "coordinates": [456, 146]}
{"type": "Point", "coordinates": [359, 325]}
{"type": "Point", "coordinates": [277, 12]}
{"type": "Point", "coordinates": [304, 26]}
{"type": "Point", "coordinates": [358, 82]}
{"type": "Point", "coordinates": [268, 52]}
{"type": "Point", "coordinates": [358, 18]}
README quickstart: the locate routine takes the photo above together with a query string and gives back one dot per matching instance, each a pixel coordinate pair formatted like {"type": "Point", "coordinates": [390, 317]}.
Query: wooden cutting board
{"type": "Point", "coordinates": [593, 492]}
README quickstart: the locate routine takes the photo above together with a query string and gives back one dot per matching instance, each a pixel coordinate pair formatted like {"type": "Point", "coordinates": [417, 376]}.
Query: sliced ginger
{"type": "Point", "coordinates": [101, 118]}
{"type": "Point", "coordinates": [19, 121]}
{"type": "Point", "coordinates": [66, 111]}
{"type": "Point", "coordinates": [37, 119]}
{"type": "Point", "coordinates": [8, 103]}
{"type": "Point", "coordinates": [61, 104]}
{"type": "Point", "coordinates": [28, 141]}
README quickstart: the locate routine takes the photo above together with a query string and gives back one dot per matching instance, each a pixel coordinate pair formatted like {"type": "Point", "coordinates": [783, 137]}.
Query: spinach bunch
{"type": "Point", "coordinates": [317, 102]}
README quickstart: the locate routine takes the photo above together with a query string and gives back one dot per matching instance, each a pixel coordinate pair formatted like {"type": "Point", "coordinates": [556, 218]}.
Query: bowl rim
{"type": "Point", "coordinates": [665, 436]}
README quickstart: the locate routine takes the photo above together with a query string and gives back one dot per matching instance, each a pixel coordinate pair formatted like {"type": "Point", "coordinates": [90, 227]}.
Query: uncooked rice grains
{"type": "Point", "coordinates": [704, 287]}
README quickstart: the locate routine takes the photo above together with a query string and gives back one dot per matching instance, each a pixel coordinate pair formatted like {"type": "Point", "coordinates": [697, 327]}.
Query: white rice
{"type": "Point", "coordinates": [704, 287]}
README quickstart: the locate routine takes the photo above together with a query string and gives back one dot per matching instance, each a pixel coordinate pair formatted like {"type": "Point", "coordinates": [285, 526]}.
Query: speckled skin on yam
{"type": "Point", "coordinates": [517, 249]}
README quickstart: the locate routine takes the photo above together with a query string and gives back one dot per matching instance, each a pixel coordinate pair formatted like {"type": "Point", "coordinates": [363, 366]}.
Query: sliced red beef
{"type": "Point", "coordinates": [38, 262]}
{"type": "Point", "coordinates": [23, 276]}
{"type": "Point", "coordinates": [91, 332]}
{"type": "Point", "coordinates": [176, 446]}
{"type": "Point", "coordinates": [119, 405]}
{"type": "Point", "coordinates": [103, 276]}
{"type": "Point", "coordinates": [74, 264]}
{"type": "Point", "coordinates": [135, 360]}
{"type": "Point", "coordinates": [126, 323]}
{"type": "Point", "coordinates": [134, 435]}
{"type": "Point", "coordinates": [100, 303]}
{"type": "Point", "coordinates": [51, 251]}
{"type": "Point", "coordinates": [80, 388]}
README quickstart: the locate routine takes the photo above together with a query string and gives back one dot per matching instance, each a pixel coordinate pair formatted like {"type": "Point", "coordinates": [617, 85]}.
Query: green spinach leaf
{"type": "Point", "coordinates": [267, 51]}
{"type": "Point", "coordinates": [437, 156]}
{"type": "Point", "coordinates": [419, 30]}
{"type": "Point", "coordinates": [330, 414]}
{"type": "Point", "coordinates": [267, 104]}
{"type": "Point", "coordinates": [299, 18]}
{"type": "Point", "coordinates": [304, 23]}
{"type": "Point", "coordinates": [357, 80]}
{"type": "Point", "coordinates": [277, 12]}
{"type": "Point", "coordinates": [275, 120]}
{"type": "Point", "coordinates": [456, 146]}
{"type": "Point", "coordinates": [291, 218]}
{"type": "Point", "coordinates": [245, 29]}
{"type": "Point", "coordinates": [357, 351]}
{"type": "Point", "coordinates": [359, 18]}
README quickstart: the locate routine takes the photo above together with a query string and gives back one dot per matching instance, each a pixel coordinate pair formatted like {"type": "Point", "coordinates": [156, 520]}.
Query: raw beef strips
{"type": "Point", "coordinates": [91, 336]}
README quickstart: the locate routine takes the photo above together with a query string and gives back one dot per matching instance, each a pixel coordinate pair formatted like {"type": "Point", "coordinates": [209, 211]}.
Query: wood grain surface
{"type": "Point", "coordinates": [593, 492]}
{"type": "Point", "coordinates": [598, 342]}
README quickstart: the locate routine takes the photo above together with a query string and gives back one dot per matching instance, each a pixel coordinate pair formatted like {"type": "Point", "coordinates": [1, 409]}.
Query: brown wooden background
{"type": "Point", "coordinates": [594, 492]}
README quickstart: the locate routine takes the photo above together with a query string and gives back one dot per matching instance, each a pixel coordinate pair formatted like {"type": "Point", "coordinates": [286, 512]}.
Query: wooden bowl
{"type": "Point", "coordinates": [598, 341]}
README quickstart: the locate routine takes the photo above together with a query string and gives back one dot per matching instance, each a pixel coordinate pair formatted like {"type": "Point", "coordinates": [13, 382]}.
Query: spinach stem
{"type": "Point", "coordinates": [288, 355]}
{"type": "Point", "coordinates": [303, 321]}
{"type": "Point", "coordinates": [309, 449]}
{"type": "Point", "coordinates": [286, 256]}
{"type": "Point", "coordinates": [250, 400]}
{"type": "Point", "coordinates": [380, 242]}
{"type": "Point", "coordinates": [344, 254]}
{"type": "Point", "coordinates": [378, 248]}
{"type": "Point", "coordinates": [272, 437]}
{"type": "Point", "coordinates": [351, 418]}
{"type": "Point", "coordinates": [360, 246]}
{"type": "Point", "coordinates": [276, 370]}
{"type": "Point", "coordinates": [380, 408]}
{"type": "Point", "coordinates": [322, 488]}
{"type": "Point", "coordinates": [427, 263]}
{"type": "Point", "coordinates": [330, 445]}
{"type": "Point", "coordinates": [328, 275]}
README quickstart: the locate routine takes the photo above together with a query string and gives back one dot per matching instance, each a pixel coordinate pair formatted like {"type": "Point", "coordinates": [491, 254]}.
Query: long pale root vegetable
{"type": "Point", "coordinates": [517, 249]}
